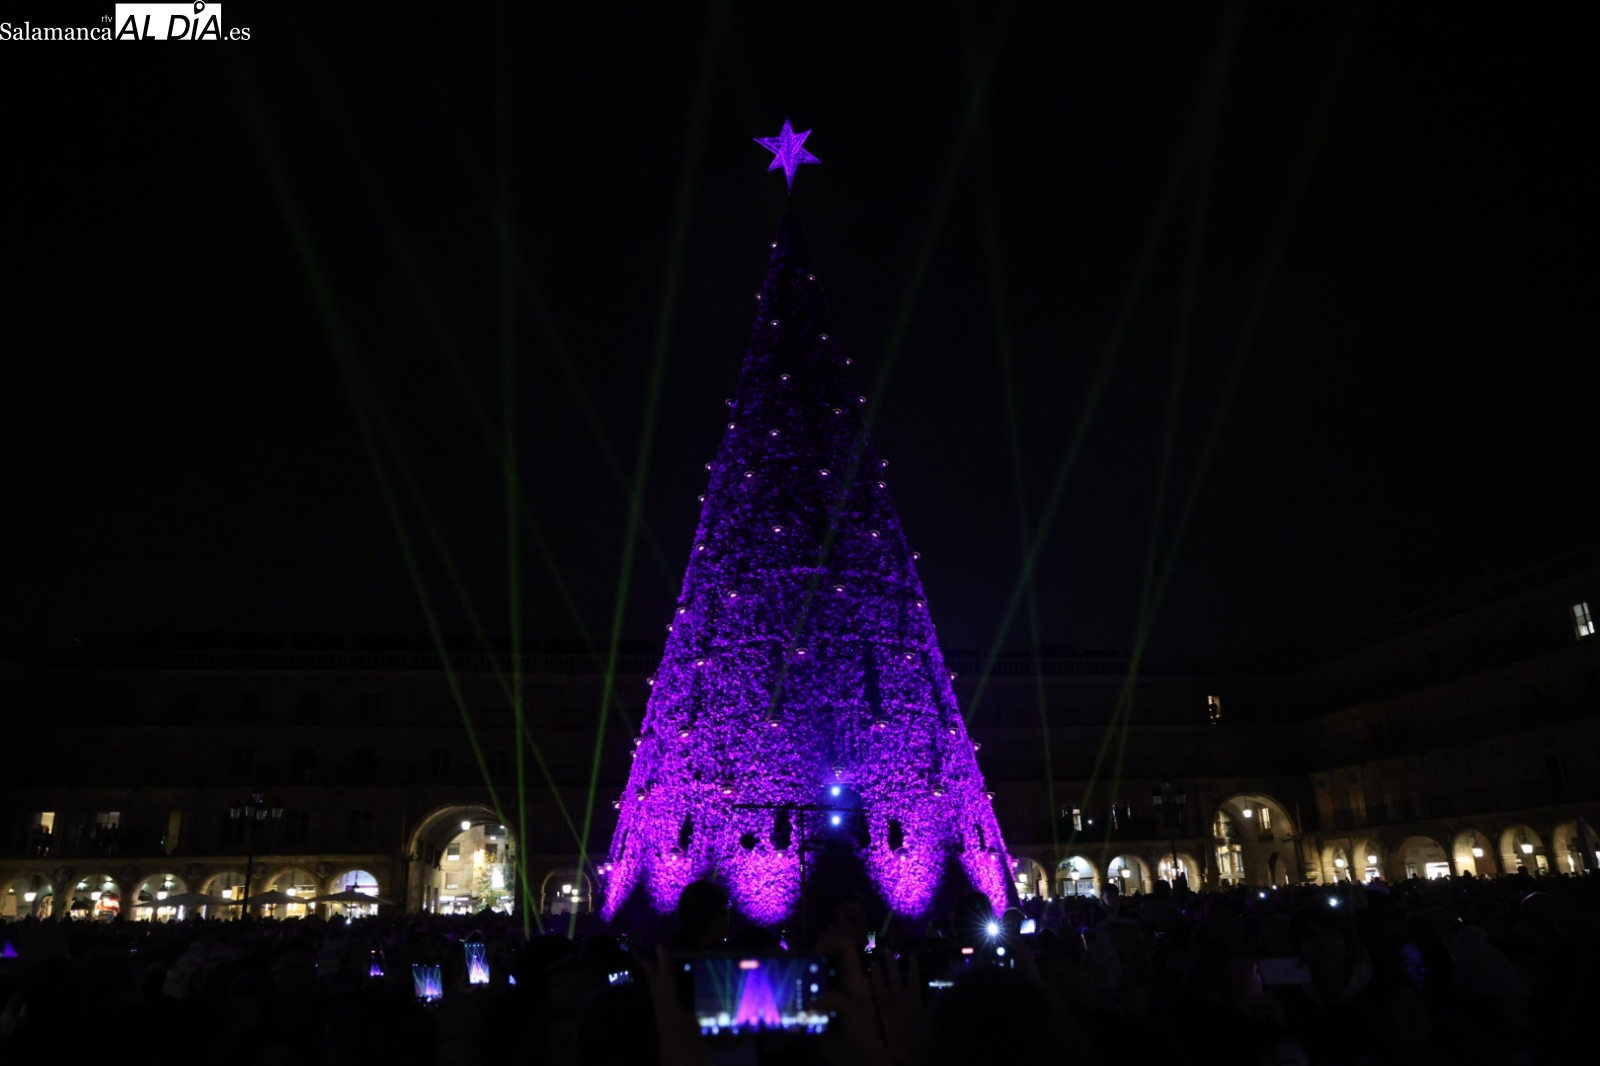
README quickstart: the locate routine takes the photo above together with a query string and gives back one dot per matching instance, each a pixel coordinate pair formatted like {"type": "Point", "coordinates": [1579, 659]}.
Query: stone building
{"type": "Point", "coordinates": [1464, 738]}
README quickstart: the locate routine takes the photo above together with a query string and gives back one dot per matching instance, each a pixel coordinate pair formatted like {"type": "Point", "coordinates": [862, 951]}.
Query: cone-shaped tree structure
{"type": "Point", "coordinates": [802, 681]}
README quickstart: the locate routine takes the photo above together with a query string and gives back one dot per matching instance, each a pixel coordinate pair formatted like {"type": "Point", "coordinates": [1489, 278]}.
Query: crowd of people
{"type": "Point", "coordinates": [1458, 970]}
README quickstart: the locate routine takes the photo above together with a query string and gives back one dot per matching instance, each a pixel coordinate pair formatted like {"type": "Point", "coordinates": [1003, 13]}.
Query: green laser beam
{"type": "Point", "coordinates": [342, 346]}
{"type": "Point", "coordinates": [672, 275]}
{"type": "Point", "coordinates": [506, 322]}
{"type": "Point", "coordinates": [542, 314]}
{"type": "Point", "coordinates": [403, 252]}
{"type": "Point", "coordinates": [1208, 132]}
{"type": "Point", "coordinates": [1004, 360]}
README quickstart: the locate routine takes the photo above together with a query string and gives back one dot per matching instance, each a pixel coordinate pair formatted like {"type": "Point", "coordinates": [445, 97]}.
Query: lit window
{"type": "Point", "coordinates": [452, 853]}
{"type": "Point", "coordinates": [1214, 709]}
{"type": "Point", "coordinates": [1582, 620]}
{"type": "Point", "coordinates": [1266, 820]}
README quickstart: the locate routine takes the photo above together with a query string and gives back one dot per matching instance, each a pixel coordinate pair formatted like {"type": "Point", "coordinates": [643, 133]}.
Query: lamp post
{"type": "Point", "coordinates": [255, 809]}
{"type": "Point", "coordinates": [1172, 805]}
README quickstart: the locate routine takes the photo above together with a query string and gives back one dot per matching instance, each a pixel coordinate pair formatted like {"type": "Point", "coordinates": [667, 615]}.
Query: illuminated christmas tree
{"type": "Point", "coordinates": [802, 696]}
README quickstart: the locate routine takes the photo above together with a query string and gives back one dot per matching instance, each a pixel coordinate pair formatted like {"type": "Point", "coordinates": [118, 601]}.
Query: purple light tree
{"type": "Point", "coordinates": [801, 664]}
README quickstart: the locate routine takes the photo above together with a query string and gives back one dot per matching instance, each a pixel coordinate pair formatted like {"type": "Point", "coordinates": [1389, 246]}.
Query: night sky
{"type": "Point", "coordinates": [1401, 201]}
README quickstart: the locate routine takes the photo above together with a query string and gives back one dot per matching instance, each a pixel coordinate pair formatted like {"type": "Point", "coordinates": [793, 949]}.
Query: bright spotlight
{"type": "Point", "coordinates": [836, 819]}
{"type": "Point", "coordinates": [835, 790]}
{"type": "Point", "coordinates": [993, 928]}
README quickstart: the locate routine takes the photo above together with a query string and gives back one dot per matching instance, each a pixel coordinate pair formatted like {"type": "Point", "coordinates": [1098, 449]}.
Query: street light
{"type": "Point", "coordinates": [255, 809]}
{"type": "Point", "coordinates": [1172, 805]}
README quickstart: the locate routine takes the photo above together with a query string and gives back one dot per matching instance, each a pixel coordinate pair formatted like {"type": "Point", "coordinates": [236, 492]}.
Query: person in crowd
{"type": "Point", "coordinates": [1457, 970]}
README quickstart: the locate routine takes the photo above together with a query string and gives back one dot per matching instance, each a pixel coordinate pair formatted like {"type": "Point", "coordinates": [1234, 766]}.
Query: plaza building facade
{"type": "Point", "coordinates": [1463, 739]}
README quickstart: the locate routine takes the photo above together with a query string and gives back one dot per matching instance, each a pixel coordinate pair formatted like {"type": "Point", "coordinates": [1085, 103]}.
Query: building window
{"type": "Point", "coordinates": [1266, 820]}
{"type": "Point", "coordinates": [1582, 620]}
{"type": "Point", "coordinates": [1076, 814]}
{"type": "Point", "coordinates": [358, 829]}
{"type": "Point", "coordinates": [250, 703]}
{"type": "Point", "coordinates": [452, 853]}
{"type": "Point", "coordinates": [371, 705]}
{"type": "Point", "coordinates": [297, 827]}
{"type": "Point", "coordinates": [1214, 709]}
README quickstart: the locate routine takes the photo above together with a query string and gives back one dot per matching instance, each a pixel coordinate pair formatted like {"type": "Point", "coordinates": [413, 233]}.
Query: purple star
{"type": "Point", "coordinates": [788, 151]}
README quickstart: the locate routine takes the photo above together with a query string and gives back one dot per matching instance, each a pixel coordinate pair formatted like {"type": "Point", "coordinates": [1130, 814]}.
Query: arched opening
{"type": "Point", "coordinates": [1248, 828]}
{"type": "Point", "coordinates": [1473, 853]}
{"type": "Point", "coordinates": [1368, 859]}
{"type": "Point", "coordinates": [291, 891]}
{"type": "Point", "coordinates": [1522, 848]}
{"type": "Point", "coordinates": [1568, 852]}
{"type": "Point", "coordinates": [1171, 866]}
{"type": "Point", "coordinates": [96, 897]}
{"type": "Point", "coordinates": [1032, 879]}
{"type": "Point", "coordinates": [29, 895]}
{"type": "Point", "coordinates": [353, 894]}
{"type": "Point", "coordinates": [1230, 852]}
{"type": "Point", "coordinates": [151, 895]}
{"type": "Point", "coordinates": [1421, 857]}
{"type": "Point", "coordinates": [228, 885]}
{"type": "Point", "coordinates": [1336, 863]}
{"type": "Point", "coordinates": [1130, 874]}
{"type": "Point", "coordinates": [566, 892]}
{"type": "Point", "coordinates": [1077, 877]}
{"type": "Point", "coordinates": [466, 861]}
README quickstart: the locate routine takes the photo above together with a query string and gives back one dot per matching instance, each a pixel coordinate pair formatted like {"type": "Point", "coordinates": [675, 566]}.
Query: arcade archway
{"type": "Point", "coordinates": [1130, 874]}
{"type": "Point", "coordinates": [465, 861]}
{"type": "Point", "coordinates": [1421, 857]}
{"type": "Point", "coordinates": [28, 895]}
{"type": "Point", "coordinates": [151, 895]}
{"type": "Point", "coordinates": [1170, 867]}
{"type": "Point", "coordinates": [294, 888]}
{"type": "Point", "coordinates": [1473, 853]}
{"type": "Point", "coordinates": [566, 892]}
{"type": "Point", "coordinates": [1077, 876]}
{"type": "Point", "coordinates": [1031, 878]}
{"type": "Point", "coordinates": [1248, 830]}
{"type": "Point", "coordinates": [96, 896]}
{"type": "Point", "coordinates": [1521, 847]}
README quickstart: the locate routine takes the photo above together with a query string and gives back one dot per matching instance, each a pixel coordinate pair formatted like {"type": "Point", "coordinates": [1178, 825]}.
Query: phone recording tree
{"type": "Point", "coordinates": [802, 693]}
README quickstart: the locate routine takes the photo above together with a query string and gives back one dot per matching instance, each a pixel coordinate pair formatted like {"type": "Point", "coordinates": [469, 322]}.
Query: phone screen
{"type": "Point", "coordinates": [739, 994]}
{"type": "Point", "coordinates": [1029, 927]}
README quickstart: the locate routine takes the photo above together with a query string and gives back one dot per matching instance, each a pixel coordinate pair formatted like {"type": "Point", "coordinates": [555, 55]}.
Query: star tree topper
{"type": "Point", "coordinates": [788, 151]}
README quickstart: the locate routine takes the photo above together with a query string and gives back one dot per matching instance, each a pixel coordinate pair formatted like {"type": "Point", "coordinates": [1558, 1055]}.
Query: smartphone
{"type": "Point", "coordinates": [621, 977]}
{"type": "Point", "coordinates": [477, 962]}
{"type": "Point", "coordinates": [1283, 972]}
{"type": "Point", "coordinates": [734, 995]}
{"type": "Point", "coordinates": [427, 982]}
{"type": "Point", "coordinates": [1029, 927]}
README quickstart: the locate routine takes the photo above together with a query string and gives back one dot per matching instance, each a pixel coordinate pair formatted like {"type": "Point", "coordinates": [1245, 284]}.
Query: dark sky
{"type": "Point", "coordinates": [1413, 410]}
